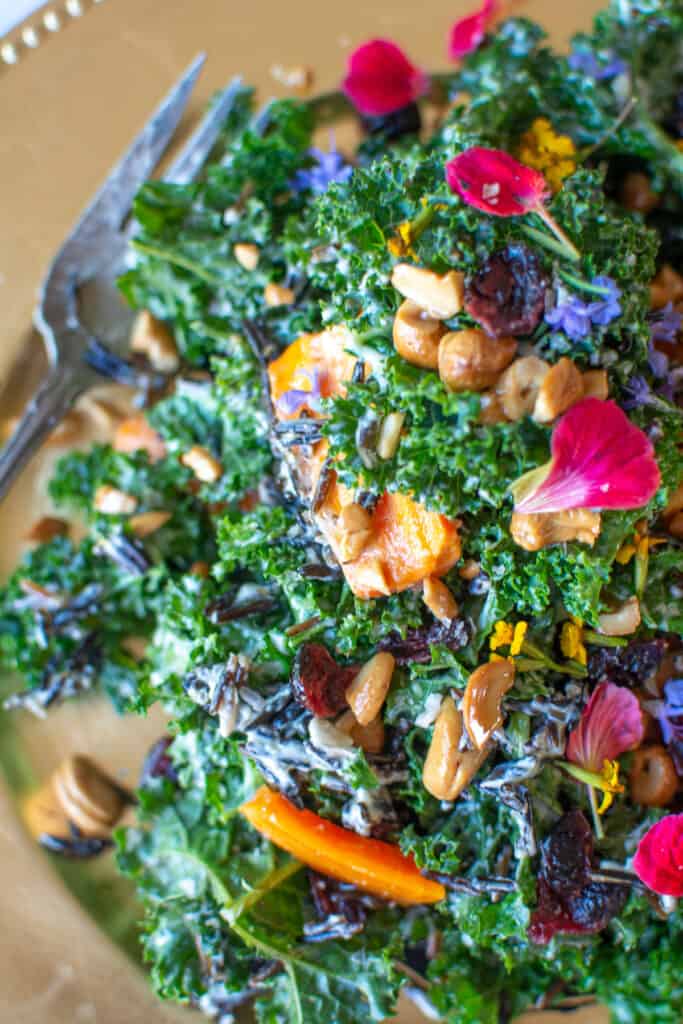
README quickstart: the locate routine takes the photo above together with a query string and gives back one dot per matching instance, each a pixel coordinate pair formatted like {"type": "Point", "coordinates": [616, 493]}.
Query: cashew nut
{"type": "Point", "coordinates": [518, 386]}
{"type": "Point", "coordinates": [541, 529]}
{"type": "Point", "coordinates": [439, 599]}
{"type": "Point", "coordinates": [439, 295]}
{"type": "Point", "coordinates": [447, 769]}
{"type": "Point", "coordinates": [417, 335]}
{"type": "Point", "coordinates": [621, 622]}
{"type": "Point", "coordinates": [653, 780]}
{"type": "Point", "coordinates": [561, 388]}
{"type": "Point", "coordinates": [368, 689]}
{"type": "Point", "coordinates": [595, 384]}
{"type": "Point", "coordinates": [355, 530]}
{"type": "Point", "coordinates": [481, 706]}
{"type": "Point", "coordinates": [470, 360]}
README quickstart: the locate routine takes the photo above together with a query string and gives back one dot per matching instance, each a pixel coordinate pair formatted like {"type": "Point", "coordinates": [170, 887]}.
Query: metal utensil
{"type": "Point", "coordinates": [79, 288]}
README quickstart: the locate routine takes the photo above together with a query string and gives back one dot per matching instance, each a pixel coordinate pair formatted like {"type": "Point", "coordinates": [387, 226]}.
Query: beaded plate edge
{"type": "Point", "coordinates": [37, 29]}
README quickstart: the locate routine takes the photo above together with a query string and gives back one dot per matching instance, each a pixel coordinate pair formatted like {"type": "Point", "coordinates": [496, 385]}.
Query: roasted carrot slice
{"type": "Point", "coordinates": [370, 864]}
{"type": "Point", "coordinates": [325, 353]}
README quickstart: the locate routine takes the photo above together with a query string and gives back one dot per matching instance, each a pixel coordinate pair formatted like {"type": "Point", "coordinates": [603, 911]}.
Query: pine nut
{"type": "Point", "coordinates": [447, 769]}
{"type": "Point", "coordinates": [390, 435]}
{"type": "Point", "coordinates": [439, 599]}
{"type": "Point", "coordinates": [369, 688]}
{"type": "Point", "coordinates": [481, 707]}
{"type": "Point", "coordinates": [441, 296]}
{"type": "Point", "coordinates": [203, 464]}
{"type": "Point", "coordinates": [110, 501]}
{"type": "Point", "coordinates": [247, 255]}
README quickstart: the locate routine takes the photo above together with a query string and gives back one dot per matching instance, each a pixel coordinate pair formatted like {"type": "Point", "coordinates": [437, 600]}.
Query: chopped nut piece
{"type": "Point", "coordinates": [200, 569]}
{"type": "Point", "coordinates": [299, 78]}
{"type": "Point", "coordinates": [46, 529]}
{"type": "Point", "coordinates": [146, 523]}
{"type": "Point", "coordinates": [417, 335]}
{"type": "Point", "coordinates": [369, 738]}
{"type": "Point", "coordinates": [113, 502]}
{"type": "Point", "coordinates": [491, 410]}
{"type": "Point", "coordinates": [355, 524]}
{"type": "Point", "coordinates": [541, 529]}
{"type": "Point", "coordinates": [471, 361]}
{"type": "Point", "coordinates": [278, 295]}
{"type": "Point", "coordinates": [561, 388]}
{"type": "Point", "coordinates": [439, 599]}
{"type": "Point", "coordinates": [667, 286]}
{"type": "Point", "coordinates": [153, 339]}
{"type": "Point", "coordinates": [481, 706]}
{"type": "Point", "coordinates": [136, 646]}
{"type": "Point", "coordinates": [518, 386]}
{"type": "Point", "coordinates": [441, 296]}
{"type": "Point", "coordinates": [595, 384]}
{"type": "Point", "coordinates": [369, 688]}
{"type": "Point", "coordinates": [203, 464]}
{"type": "Point", "coordinates": [135, 434]}
{"type": "Point", "coordinates": [247, 255]}
{"type": "Point", "coordinates": [636, 193]}
{"type": "Point", "coordinates": [447, 769]}
{"type": "Point", "coordinates": [621, 622]}
{"type": "Point", "coordinates": [390, 435]}
{"type": "Point", "coordinates": [653, 780]}
{"type": "Point", "coordinates": [470, 570]}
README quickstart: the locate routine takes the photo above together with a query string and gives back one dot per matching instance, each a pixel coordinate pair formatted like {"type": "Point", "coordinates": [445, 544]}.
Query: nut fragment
{"type": "Point", "coordinates": [636, 193]}
{"type": "Point", "coordinates": [439, 599]}
{"type": "Point", "coordinates": [621, 622]}
{"type": "Point", "coordinates": [491, 409]}
{"type": "Point", "coordinates": [541, 529]}
{"type": "Point", "coordinates": [561, 388]}
{"type": "Point", "coordinates": [135, 434]}
{"type": "Point", "coordinates": [390, 435]}
{"type": "Point", "coordinates": [595, 384]}
{"type": "Point", "coordinates": [667, 286]}
{"type": "Point", "coordinates": [355, 529]}
{"type": "Point", "coordinates": [653, 781]}
{"type": "Point", "coordinates": [518, 386]}
{"type": "Point", "coordinates": [481, 706]}
{"type": "Point", "coordinates": [153, 339]}
{"type": "Point", "coordinates": [441, 296]}
{"type": "Point", "coordinates": [113, 502]}
{"type": "Point", "coordinates": [417, 335]}
{"type": "Point", "coordinates": [447, 769]}
{"type": "Point", "coordinates": [278, 295]}
{"type": "Point", "coordinates": [469, 570]}
{"type": "Point", "coordinates": [369, 688]}
{"type": "Point", "coordinates": [470, 360]}
{"type": "Point", "coordinates": [203, 464]}
{"type": "Point", "coordinates": [146, 523]}
{"type": "Point", "coordinates": [247, 255]}
{"type": "Point", "coordinates": [369, 738]}
{"type": "Point", "coordinates": [46, 529]}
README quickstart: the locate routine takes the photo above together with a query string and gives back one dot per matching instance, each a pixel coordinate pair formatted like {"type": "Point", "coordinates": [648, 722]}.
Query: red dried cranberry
{"type": "Point", "coordinates": [318, 682]}
{"type": "Point", "coordinates": [595, 906]}
{"type": "Point", "coordinates": [507, 296]}
{"type": "Point", "coordinates": [158, 763]}
{"type": "Point", "coordinates": [549, 917]}
{"type": "Point", "coordinates": [566, 855]}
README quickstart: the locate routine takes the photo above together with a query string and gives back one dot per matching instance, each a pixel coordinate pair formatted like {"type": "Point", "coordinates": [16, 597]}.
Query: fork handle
{"type": "Point", "coordinates": [51, 402]}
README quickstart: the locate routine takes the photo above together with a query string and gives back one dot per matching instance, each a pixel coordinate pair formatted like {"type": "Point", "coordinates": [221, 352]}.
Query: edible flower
{"type": "Point", "coordinates": [665, 324]}
{"type": "Point", "coordinates": [599, 460]}
{"type": "Point", "coordinates": [669, 713]}
{"type": "Point", "coordinates": [639, 545]}
{"type": "Point", "coordinates": [571, 641]}
{"type": "Point", "coordinates": [468, 33]}
{"type": "Point", "coordinates": [380, 79]}
{"type": "Point", "coordinates": [494, 182]}
{"type": "Point", "coordinates": [291, 402]}
{"type": "Point", "coordinates": [553, 154]}
{"type": "Point", "coordinates": [505, 634]}
{"type": "Point", "coordinates": [329, 167]}
{"type": "Point", "coordinates": [586, 62]}
{"type": "Point", "coordinates": [659, 858]}
{"type": "Point", "coordinates": [575, 317]}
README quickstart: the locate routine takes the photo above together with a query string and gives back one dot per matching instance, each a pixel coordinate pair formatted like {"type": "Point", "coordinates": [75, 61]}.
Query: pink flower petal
{"type": "Point", "coordinates": [599, 460]}
{"type": "Point", "coordinates": [659, 859]}
{"type": "Point", "coordinates": [493, 181]}
{"type": "Point", "coordinates": [467, 34]}
{"type": "Point", "coordinates": [611, 724]}
{"type": "Point", "coordinates": [381, 79]}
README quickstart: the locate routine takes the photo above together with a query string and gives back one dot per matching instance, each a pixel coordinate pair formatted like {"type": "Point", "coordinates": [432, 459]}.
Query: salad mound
{"type": "Point", "coordinates": [398, 548]}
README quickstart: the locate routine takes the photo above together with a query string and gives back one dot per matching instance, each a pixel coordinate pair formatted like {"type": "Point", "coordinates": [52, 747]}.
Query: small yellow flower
{"type": "Point", "coordinates": [544, 149]}
{"type": "Point", "coordinates": [503, 635]}
{"type": "Point", "coordinates": [640, 545]}
{"type": "Point", "coordinates": [400, 244]}
{"type": "Point", "coordinates": [571, 641]}
{"type": "Point", "coordinates": [611, 784]}
{"type": "Point", "coordinates": [518, 637]}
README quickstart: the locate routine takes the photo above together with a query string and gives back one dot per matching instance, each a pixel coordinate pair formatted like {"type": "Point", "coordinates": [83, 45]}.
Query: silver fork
{"type": "Point", "coordinates": [79, 288]}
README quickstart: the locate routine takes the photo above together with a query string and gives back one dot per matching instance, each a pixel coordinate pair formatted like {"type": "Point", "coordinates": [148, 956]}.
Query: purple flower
{"type": "Point", "coordinates": [606, 309]}
{"type": "Point", "coordinates": [588, 63]}
{"type": "Point", "coordinates": [669, 712]}
{"type": "Point", "coordinates": [328, 167]}
{"type": "Point", "coordinates": [638, 392]}
{"type": "Point", "coordinates": [665, 324]}
{"type": "Point", "coordinates": [293, 401]}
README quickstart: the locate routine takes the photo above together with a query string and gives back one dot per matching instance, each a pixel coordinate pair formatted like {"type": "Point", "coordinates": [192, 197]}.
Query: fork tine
{"type": "Point", "coordinates": [107, 211]}
{"type": "Point", "coordinates": [186, 166]}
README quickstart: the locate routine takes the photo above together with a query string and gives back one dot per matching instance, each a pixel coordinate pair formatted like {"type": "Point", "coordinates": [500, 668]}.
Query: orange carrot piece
{"type": "Point", "coordinates": [370, 864]}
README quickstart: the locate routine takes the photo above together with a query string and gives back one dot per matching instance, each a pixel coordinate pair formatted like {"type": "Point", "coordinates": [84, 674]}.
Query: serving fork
{"type": "Point", "coordinates": [80, 315]}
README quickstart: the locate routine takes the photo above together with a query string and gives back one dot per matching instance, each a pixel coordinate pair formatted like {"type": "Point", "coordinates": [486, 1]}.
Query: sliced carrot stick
{"type": "Point", "coordinates": [370, 864]}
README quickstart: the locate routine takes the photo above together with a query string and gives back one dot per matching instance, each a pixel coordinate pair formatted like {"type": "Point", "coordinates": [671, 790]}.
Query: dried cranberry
{"type": "Point", "coordinates": [416, 645]}
{"type": "Point", "coordinates": [566, 855]}
{"type": "Point", "coordinates": [318, 682]}
{"type": "Point", "coordinates": [626, 666]}
{"type": "Point", "coordinates": [550, 916]}
{"type": "Point", "coordinates": [158, 763]}
{"type": "Point", "coordinates": [507, 296]}
{"type": "Point", "coordinates": [595, 906]}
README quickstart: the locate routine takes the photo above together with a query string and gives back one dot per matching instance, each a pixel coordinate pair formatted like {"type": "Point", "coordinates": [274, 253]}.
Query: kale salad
{"type": "Point", "coordinates": [397, 545]}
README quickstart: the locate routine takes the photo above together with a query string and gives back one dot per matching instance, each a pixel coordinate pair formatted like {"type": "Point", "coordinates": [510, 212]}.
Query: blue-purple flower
{"type": "Point", "coordinates": [291, 402]}
{"type": "Point", "coordinates": [328, 168]}
{"type": "Point", "coordinates": [576, 317]}
{"type": "Point", "coordinates": [669, 713]}
{"type": "Point", "coordinates": [665, 323]}
{"type": "Point", "coordinates": [588, 63]}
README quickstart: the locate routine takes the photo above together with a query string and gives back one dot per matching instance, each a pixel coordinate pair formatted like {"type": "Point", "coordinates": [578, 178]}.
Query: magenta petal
{"type": "Point", "coordinates": [659, 859]}
{"type": "Point", "coordinates": [381, 79]}
{"type": "Point", "coordinates": [493, 181]}
{"type": "Point", "coordinates": [611, 724]}
{"type": "Point", "coordinates": [467, 34]}
{"type": "Point", "coordinates": [599, 460]}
